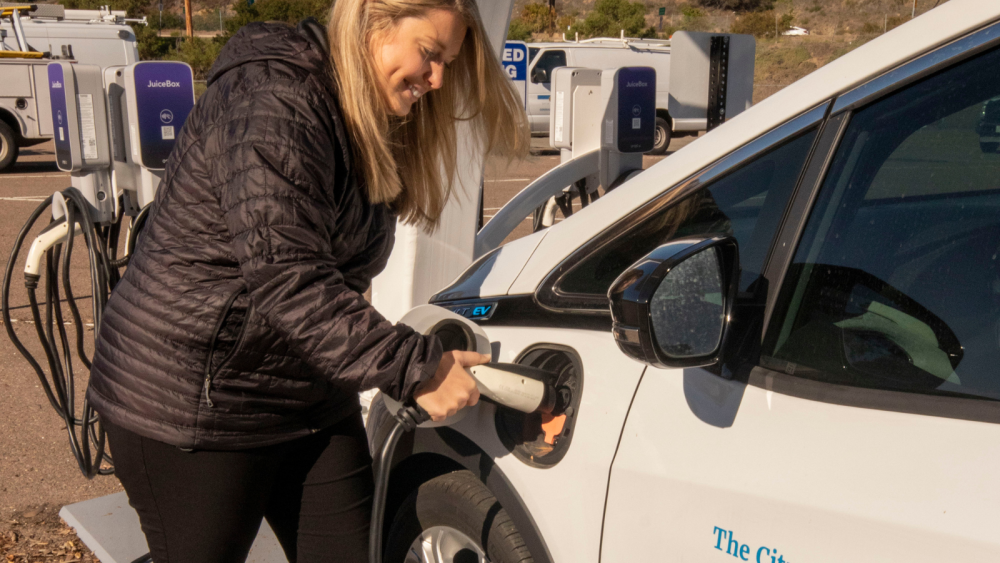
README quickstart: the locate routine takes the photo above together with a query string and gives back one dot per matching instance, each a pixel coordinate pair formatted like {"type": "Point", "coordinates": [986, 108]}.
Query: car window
{"type": "Point", "coordinates": [747, 203]}
{"type": "Point", "coordinates": [532, 52]}
{"type": "Point", "coordinates": [896, 281]}
{"type": "Point", "coordinates": [546, 62]}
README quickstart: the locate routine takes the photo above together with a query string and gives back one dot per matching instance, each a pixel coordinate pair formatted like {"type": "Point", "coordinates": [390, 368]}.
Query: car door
{"type": "Point", "coordinates": [865, 427]}
{"type": "Point", "coordinates": [540, 87]}
{"type": "Point", "coordinates": [567, 498]}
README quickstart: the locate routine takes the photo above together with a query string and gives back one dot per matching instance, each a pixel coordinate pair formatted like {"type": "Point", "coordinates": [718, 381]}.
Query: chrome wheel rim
{"type": "Point", "coordinates": [444, 544]}
{"type": "Point", "coordinates": [3, 148]}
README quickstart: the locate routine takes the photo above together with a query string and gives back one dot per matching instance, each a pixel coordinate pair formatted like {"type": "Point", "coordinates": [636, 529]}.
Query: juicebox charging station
{"type": "Point", "coordinates": [114, 130]}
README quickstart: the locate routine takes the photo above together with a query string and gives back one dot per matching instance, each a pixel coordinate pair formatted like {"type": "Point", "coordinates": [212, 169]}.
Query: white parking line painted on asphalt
{"type": "Point", "coordinates": [509, 180]}
{"type": "Point", "coordinates": [2, 176]}
{"type": "Point", "coordinates": [488, 217]}
{"type": "Point", "coordinates": [34, 198]}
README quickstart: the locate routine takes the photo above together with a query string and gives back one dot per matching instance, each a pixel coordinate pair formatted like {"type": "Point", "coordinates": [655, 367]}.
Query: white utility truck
{"type": "Point", "coordinates": [682, 106]}
{"type": "Point", "coordinates": [32, 36]}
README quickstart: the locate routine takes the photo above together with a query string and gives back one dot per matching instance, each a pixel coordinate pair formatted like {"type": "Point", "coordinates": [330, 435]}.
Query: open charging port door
{"type": "Point", "coordinates": [540, 438]}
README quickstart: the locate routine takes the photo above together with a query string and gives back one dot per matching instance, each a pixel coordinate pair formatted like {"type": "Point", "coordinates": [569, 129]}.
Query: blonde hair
{"type": "Point", "coordinates": [411, 162]}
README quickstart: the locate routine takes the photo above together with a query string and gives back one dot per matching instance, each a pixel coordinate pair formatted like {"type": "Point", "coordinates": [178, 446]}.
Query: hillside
{"type": "Point", "coordinates": [836, 27]}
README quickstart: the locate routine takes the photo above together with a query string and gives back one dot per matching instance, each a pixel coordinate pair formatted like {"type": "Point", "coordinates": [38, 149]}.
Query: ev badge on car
{"type": "Point", "coordinates": [475, 312]}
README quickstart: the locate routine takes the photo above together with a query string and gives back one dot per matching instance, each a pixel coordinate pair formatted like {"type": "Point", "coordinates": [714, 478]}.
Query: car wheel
{"type": "Point", "coordinates": [8, 146]}
{"type": "Point", "coordinates": [988, 147]}
{"type": "Point", "coordinates": [448, 519]}
{"type": "Point", "coordinates": [661, 137]}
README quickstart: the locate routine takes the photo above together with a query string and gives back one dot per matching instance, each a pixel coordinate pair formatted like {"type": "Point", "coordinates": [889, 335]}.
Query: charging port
{"type": "Point", "coordinates": [540, 439]}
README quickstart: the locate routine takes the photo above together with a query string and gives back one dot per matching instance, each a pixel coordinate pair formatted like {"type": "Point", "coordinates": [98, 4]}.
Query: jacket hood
{"type": "Point", "coordinates": [304, 46]}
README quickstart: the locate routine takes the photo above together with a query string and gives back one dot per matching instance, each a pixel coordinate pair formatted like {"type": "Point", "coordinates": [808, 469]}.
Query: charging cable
{"type": "Point", "coordinates": [407, 420]}
{"type": "Point", "coordinates": [49, 257]}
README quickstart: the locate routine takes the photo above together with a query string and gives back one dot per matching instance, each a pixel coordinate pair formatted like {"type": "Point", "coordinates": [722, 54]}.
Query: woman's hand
{"type": "Point", "coordinates": [452, 388]}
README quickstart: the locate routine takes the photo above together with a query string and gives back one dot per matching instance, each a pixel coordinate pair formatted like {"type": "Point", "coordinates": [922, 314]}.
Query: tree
{"type": "Point", "coordinates": [288, 11]}
{"type": "Point", "coordinates": [197, 52]}
{"type": "Point", "coordinates": [610, 17]}
{"type": "Point", "coordinates": [538, 17]}
{"type": "Point", "coordinates": [738, 5]}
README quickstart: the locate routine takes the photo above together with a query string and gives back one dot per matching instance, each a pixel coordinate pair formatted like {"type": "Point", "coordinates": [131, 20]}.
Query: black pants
{"type": "Point", "coordinates": [206, 506]}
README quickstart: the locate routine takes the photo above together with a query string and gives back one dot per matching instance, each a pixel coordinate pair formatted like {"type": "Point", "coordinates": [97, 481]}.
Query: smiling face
{"type": "Point", "coordinates": [411, 57]}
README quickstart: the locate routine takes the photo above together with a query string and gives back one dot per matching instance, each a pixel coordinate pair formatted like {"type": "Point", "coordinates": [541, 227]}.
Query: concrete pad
{"type": "Point", "coordinates": [110, 528]}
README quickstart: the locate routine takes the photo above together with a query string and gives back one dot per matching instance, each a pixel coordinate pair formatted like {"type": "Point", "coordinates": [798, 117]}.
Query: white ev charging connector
{"type": "Point", "coordinates": [522, 388]}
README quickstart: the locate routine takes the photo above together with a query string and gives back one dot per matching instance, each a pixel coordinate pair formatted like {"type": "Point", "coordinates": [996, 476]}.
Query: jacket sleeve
{"type": "Point", "coordinates": [279, 204]}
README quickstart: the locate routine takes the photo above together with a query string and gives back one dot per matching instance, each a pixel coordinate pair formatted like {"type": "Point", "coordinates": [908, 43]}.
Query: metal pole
{"type": "Point", "coordinates": [885, 23]}
{"type": "Point", "coordinates": [913, 13]}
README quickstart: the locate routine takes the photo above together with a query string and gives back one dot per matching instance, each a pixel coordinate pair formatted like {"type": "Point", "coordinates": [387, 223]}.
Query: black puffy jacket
{"type": "Point", "coordinates": [240, 321]}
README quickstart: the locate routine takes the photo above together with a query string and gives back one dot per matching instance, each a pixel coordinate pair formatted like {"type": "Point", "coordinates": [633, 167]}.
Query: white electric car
{"type": "Point", "coordinates": [803, 360]}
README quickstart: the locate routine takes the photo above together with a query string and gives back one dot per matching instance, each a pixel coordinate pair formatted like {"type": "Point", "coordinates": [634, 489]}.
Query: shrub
{"type": "Point", "coordinates": [518, 30]}
{"type": "Point", "coordinates": [197, 52]}
{"type": "Point", "coordinates": [609, 17]}
{"type": "Point", "coordinates": [871, 28]}
{"type": "Point", "coordinates": [170, 20]}
{"type": "Point", "coordinates": [150, 46]}
{"type": "Point", "coordinates": [761, 24]}
{"type": "Point", "coordinates": [738, 5]}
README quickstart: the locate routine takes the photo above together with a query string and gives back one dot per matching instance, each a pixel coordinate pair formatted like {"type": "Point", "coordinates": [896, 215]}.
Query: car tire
{"type": "Point", "coordinates": [447, 519]}
{"type": "Point", "coordinates": [662, 136]}
{"type": "Point", "coordinates": [8, 146]}
{"type": "Point", "coordinates": [988, 147]}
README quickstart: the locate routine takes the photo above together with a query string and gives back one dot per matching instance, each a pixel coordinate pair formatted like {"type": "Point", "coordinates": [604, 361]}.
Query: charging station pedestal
{"type": "Point", "coordinates": [604, 121]}
{"type": "Point", "coordinates": [76, 93]}
{"type": "Point", "coordinates": [629, 100]}
{"type": "Point", "coordinates": [147, 104]}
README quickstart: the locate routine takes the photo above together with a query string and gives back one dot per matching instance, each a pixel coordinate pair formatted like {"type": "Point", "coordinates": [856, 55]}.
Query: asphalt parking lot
{"type": "Point", "coordinates": [36, 467]}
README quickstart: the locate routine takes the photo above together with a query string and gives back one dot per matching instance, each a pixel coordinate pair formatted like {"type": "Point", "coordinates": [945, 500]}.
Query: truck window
{"type": "Point", "coordinates": [541, 73]}
{"type": "Point", "coordinates": [532, 53]}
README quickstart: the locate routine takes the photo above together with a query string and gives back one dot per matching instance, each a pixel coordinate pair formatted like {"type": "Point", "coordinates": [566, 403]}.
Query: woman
{"type": "Point", "coordinates": [230, 355]}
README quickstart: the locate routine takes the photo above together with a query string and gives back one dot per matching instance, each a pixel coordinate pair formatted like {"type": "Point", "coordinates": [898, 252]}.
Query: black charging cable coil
{"type": "Point", "coordinates": [86, 436]}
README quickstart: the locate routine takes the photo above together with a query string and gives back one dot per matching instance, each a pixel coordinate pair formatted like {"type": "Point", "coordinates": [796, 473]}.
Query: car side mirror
{"type": "Point", "coordinates": [539, 75]}
{"type": "Point", "coordinates": [671, 309]}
